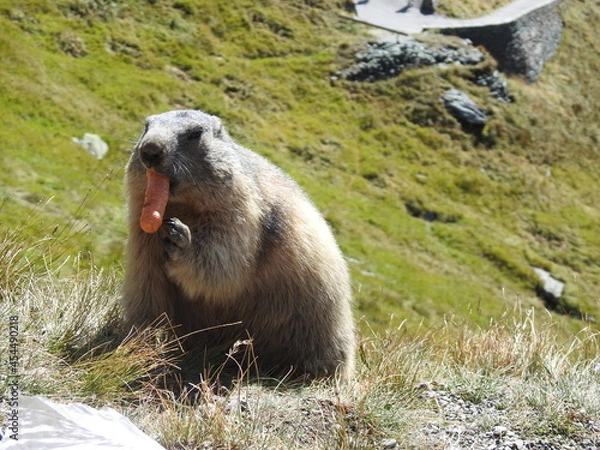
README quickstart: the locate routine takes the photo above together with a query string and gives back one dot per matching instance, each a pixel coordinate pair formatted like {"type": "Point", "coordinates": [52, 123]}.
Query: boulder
{"type": "Point", "coordinates": [522, 46]}
{"type": "Point", "coordinates": [551, 288]}
{"type": "Point", "coordinates": [463, 108]}
{"type": "Point", "coordinates": [93, 144]}
{"type": "Point", "coordinates": [429, 6]}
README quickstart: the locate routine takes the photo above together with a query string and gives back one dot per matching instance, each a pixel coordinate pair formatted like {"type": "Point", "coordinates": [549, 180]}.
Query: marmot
{"type": "Point", "coordinates": [242, 243]}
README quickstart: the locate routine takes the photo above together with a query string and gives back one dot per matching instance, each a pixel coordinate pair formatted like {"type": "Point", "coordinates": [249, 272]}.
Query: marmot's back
{"type": "Point", "coordinates": [241, 243]}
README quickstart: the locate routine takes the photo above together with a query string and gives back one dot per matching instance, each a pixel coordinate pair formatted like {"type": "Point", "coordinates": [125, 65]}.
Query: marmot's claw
{"type": "Point", "coordinates": [176, 236]}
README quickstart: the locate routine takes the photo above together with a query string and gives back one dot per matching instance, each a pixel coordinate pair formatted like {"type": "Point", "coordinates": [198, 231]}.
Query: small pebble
{"type": "Point", "coordinates": [389, 444]}
{"type": "Point", "coordinates": [499, 431]}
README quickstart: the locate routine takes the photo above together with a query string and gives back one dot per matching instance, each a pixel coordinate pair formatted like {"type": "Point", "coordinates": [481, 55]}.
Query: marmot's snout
{"type": "Point", "coordinates": [151, 154]}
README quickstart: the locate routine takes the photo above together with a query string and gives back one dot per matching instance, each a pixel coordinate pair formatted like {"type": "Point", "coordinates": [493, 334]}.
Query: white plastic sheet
{"type": "Point", "coordinates": [47, 425]}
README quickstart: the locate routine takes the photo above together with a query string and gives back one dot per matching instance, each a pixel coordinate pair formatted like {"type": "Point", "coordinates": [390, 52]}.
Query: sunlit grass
{"type": "Point", "coordinates": [519, 195]}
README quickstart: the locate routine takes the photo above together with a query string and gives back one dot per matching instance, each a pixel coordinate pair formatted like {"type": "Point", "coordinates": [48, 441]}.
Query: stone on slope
{"type": "Point", "coordinates": [463, 108]}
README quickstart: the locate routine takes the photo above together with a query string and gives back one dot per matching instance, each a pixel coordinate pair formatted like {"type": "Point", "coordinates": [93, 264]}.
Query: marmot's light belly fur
{"type": "Point", "coordinates": [241, 242]}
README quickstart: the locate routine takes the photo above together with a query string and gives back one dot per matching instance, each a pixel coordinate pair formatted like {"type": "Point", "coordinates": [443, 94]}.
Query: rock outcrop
{"type": "Point", "coordinates": [463, 108]}
{"type": "Point", "coordinates": [496, 84]}
{"type": "Point", "coordinates": [386, 59]}
{"type": "Point", "coordinates": [521, 47]}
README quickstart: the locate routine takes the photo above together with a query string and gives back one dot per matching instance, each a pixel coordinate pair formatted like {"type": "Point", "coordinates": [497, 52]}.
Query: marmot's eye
{"type": "Point", "coordinates": [193, 135]}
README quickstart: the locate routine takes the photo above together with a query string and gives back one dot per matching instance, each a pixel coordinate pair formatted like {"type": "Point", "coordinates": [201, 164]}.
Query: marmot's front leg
{"type": "Point", "coordinates": [176, 237]}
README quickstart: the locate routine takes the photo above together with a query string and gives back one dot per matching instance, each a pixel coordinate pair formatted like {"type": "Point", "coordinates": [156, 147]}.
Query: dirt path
{"type": "Point", "coordinates": [404, 16]}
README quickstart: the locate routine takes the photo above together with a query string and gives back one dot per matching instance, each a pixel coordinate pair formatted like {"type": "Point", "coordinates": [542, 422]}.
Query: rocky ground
{"type": "Point", "coordinates": [463, 423]}
{"type": "Point", "coordinates": [453, 419]}
{"type": "Point", "coordinates": [389, 57]}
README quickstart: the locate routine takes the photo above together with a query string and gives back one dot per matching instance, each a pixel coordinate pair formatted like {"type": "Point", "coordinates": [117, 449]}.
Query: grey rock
{"type": "Point", "coordinates": [463, 108]}
{"type": "Point", "coordinates": [386, 59]}
{"type": "Point", "coordinates": [552, 288]}
{"type": "Point", "coordinates": [93, 144]}
{"type": "Point", "coordinates": [429, 6]}
{"type": "Point", "coordinates": [389, 444]}
{"type": "Point", "coordinates": [522, 46]}
{"type": "Point", "coordinates": [499, 431]}
{"type": "Point", "coordinates": [496, 84]}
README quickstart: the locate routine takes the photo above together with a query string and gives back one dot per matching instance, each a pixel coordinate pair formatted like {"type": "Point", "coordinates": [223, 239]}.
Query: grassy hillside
{"type": "Point", "coordinates": [477, 361]}
{"type": "Point", "coordinates": [523, 193]}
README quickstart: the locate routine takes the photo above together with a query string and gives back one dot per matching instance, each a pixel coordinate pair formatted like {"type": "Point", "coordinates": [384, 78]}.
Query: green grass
{"type": "Point", "coordinates": [370, 155]}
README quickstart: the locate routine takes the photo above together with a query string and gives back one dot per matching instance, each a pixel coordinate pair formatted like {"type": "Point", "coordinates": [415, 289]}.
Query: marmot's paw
{"type": "Point", "coordinates": [176, 237]}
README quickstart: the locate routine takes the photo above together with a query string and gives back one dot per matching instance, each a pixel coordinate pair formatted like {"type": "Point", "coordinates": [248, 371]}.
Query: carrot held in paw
{"type": "Point", "coordinates": [155, 201]}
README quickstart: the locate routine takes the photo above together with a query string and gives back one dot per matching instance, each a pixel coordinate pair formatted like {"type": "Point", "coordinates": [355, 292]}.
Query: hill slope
{"type": "Point", "coordinates": [522, 193]}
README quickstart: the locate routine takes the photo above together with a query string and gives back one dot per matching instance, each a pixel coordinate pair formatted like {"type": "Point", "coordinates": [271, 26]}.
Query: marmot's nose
{"type": "Point", "coordinates": [151, 154]}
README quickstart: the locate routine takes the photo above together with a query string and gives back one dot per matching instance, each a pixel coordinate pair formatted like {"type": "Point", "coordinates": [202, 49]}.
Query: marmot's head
{"type": "Point", "coordinates": [190, 147]}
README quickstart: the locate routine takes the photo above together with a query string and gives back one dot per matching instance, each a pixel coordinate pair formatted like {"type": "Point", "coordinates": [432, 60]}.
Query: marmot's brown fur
{"type": "Point", "coordinates": [241, 243]}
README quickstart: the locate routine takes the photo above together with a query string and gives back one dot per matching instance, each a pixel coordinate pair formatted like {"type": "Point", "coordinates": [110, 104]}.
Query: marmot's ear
{"type": "Point", "coordinates": [219, 130]}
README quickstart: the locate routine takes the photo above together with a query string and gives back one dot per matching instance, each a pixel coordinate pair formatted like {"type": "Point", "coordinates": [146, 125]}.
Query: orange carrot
{"type": "Point", "coordinates": [155, 201]}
